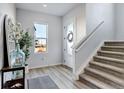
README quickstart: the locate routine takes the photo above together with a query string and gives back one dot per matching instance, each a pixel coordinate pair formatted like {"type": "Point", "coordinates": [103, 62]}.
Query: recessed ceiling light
{"type": "Point", "coordinates": [44, 5]}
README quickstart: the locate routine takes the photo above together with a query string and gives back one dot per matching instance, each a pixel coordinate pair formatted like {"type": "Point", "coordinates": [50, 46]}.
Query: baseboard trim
{"type": "Point", "coordinates": [45, 66]}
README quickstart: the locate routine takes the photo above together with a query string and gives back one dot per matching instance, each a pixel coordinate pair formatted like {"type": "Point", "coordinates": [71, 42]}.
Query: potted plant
{"type": "Point", "coordinates": [25, 43]}
{"type": "Point", "coordinates": [21, 38]}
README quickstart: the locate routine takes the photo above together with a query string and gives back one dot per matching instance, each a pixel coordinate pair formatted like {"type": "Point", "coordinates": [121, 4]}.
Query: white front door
{"type": "Point", "coordinates": [69, 38]}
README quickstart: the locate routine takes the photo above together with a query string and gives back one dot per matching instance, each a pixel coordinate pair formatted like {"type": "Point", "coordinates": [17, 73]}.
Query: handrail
{"type": "Point", "coordinates": [79, 45]}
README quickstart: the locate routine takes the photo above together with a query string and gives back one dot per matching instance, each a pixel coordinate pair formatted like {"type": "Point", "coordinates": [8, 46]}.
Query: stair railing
{"type": "Point", "coordinates": [82, 42]}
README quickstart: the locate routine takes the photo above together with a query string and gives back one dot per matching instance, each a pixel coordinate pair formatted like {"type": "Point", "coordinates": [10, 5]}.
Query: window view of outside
{"type": "Point", "coordinates": [40, 37]}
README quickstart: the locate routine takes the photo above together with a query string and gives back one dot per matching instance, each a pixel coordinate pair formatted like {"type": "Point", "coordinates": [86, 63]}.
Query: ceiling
{"type": "Point", "coordinates": [58, 9]}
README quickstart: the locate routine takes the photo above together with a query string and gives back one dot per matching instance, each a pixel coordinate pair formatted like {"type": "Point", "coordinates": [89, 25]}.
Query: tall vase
{"type": "Point", "coordinates": [19, 56]}
{"type": "Point", "coordinates": [19, 60]}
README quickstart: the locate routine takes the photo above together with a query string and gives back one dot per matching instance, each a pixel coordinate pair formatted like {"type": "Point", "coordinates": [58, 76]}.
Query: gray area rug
{"type": "Point", "coordinates": [44, 82]}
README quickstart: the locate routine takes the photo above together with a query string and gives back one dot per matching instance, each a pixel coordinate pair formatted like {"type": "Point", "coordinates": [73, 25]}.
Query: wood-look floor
{"type": "Point", "coordinates": [61, 75]}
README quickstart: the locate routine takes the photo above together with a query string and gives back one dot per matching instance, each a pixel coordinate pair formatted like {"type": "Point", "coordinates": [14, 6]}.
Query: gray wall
{"type": "Point", "coordinates": [119, 21]}
{"type": "Point", "coordinates": [54, 55]}
{"type": "Point", "coordinates": [95, 13]}
{"type": "Point", "coordinates": [10, 10]}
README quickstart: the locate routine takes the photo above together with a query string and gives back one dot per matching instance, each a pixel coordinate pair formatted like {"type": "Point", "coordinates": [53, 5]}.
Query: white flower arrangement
{"type": "Point", "coordinates": [19, 36]}
{"type": "Point", "coordinates": [14, 31]}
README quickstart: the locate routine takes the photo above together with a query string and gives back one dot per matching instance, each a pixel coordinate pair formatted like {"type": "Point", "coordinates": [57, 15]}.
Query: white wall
{"type": "Point", "coordinates": [54, 55]}
{"type": "Point", "coordinates": [79, 13]}
{"type": "Point", "coordinates": [119, 21]}
{"type": "Point", "coordinates": [95, 13]}
{"type": "Point", "coordinates": [10, 10]}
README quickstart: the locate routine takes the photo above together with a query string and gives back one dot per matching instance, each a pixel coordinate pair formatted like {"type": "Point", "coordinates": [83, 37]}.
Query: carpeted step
{"type": "Point", "coordinates": [113, 48]}
{"type": "Point", "coordinates": [119, 72]}
{"type": "Point", "coordinates": [105, 77]}
{"type": "Point", "coordinates": [118, 55]}
{"type": "Point", "coordinates": [111, 61]}
{"type": "Point", "coordinates": [91, 81]}
{"type": "Point", "coordinates": [81, 85]}
{"type": "Point", "coordinates": [106, 70]}
{"type": "Point", "coordinates": [114, 43]}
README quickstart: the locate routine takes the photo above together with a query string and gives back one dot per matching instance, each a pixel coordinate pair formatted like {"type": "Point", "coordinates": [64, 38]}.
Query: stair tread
{"type": "Point", "coordinates": [106, 69]}
{"type": "Point", "coordinates": [95, 81]}
{"type": "Point", "coordinates": [108, 66]}
{"type": "Point", "coordinates": [111, 52]}
{"type": "Point", "coordinates": [106, 75]}
{"type": "Point", "coordinates": [114, 41]}
{"type": "Point", "coordinates": [106, 46]}
{"type": "Point", "coordinates": [108, 58]}
{"type": "Point", "coordinates": [80, 85]}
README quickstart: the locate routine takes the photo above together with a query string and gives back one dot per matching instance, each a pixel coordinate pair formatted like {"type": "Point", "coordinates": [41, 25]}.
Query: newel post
{"type": "Point", "coordinates": [75, 76]}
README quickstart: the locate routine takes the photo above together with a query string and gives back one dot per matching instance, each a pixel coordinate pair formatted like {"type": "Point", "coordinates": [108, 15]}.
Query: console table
{"type": "Point", "coordinates": [13, 83]}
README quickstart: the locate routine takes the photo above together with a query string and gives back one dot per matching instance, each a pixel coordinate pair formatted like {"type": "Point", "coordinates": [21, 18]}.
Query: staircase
{"type": "Point", "coordinates": [106, 70]}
